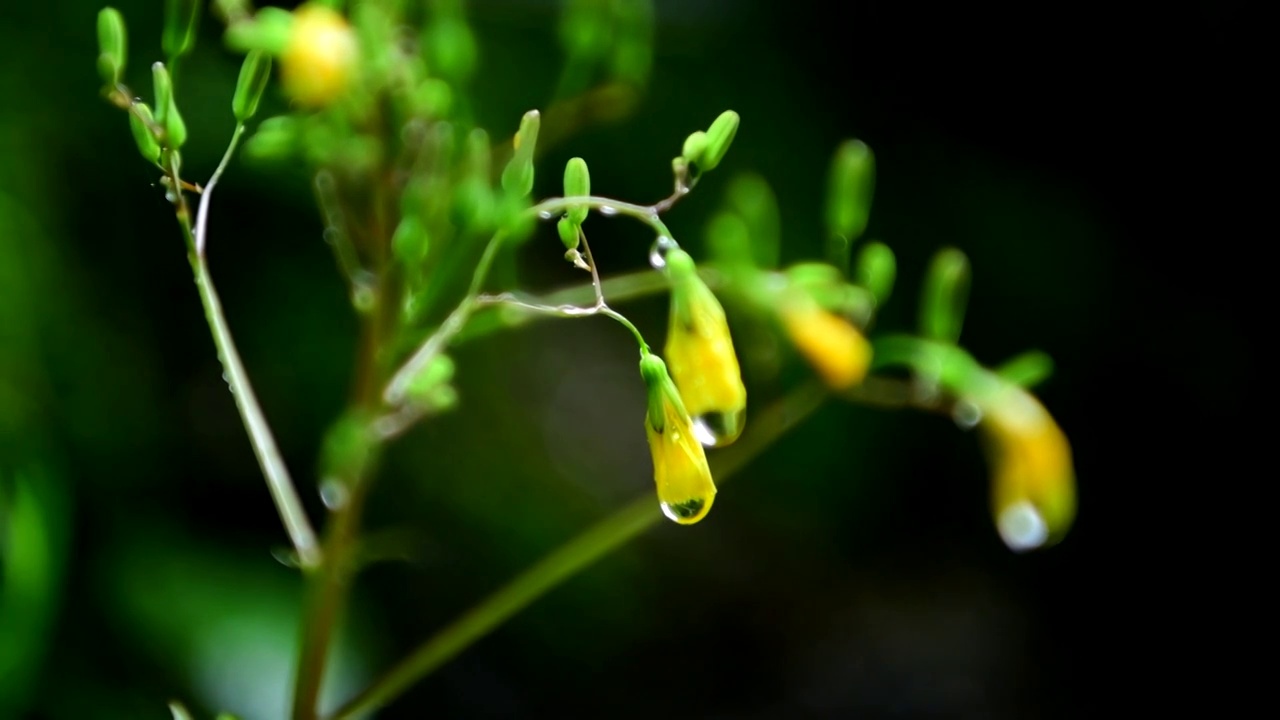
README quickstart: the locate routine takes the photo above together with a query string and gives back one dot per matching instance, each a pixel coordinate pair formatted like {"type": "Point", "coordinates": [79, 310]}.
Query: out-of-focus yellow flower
{"type": "Point", "coordinates": [319, 61]}
{"type": "Point", "coordinates": [700, 354]}
{"type": "Point", "coordinates": [685, 488]}
{"type": "Point", "coordinates": [837, 350]}
{"type": "Point", "coordinates": [1033, 494]}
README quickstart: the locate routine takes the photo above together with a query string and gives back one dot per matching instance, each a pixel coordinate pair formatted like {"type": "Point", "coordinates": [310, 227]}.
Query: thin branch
{"type": "Point", "coordinates": [279, 483]}
{"type": "Point", "coordinates": [571, 558]}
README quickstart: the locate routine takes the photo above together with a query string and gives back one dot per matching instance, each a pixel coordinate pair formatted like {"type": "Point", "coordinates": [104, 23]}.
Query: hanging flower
{"type": "Point", "coordinates": [685, 488]}
{"type": "Point", "coordinates": [320, 58]}
{"type": "Point", "coordinates": [701, 357]}
{"type": "Point", "coordinates": [1033, 492]}
{"type": "Point", "coordinates": [837, 350]}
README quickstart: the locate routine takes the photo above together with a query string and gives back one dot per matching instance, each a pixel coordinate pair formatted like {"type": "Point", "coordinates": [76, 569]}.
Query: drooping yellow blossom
{"type": "Point", "coordinates": [319, 61]}
{"type": "Point", "coordinates": [837, 350]}
{"type": "Point", "coordinates": [700, 355]}
{"type": "Point", "coordinates": [1033, 495]}
{"type": "Point", "coordinates": [680, 471]}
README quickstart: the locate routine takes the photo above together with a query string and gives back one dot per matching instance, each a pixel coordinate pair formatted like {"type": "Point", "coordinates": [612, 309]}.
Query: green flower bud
{"type": "Point", "coordinates": [167, 115]}
{"type": "Point", "coordinates": [181, 17]}
{"type": "Point", "coordinates": [729, 241]}
{"type": "Point", "coordinates": [849, 190]}
{"type": "Point", "coordinates": [876, 271]}
{"type": "Point", "coordinates": [719, 138]}
{"type": "Point", "coordinates": [946, 291]}
{"type": "Point", "coordinates": [517, 177]}
{"type": "Point", "coordinates": [270, 31]}
{"type": "Point", "coordinates": [694, 147]}
{"type": "Point", "coordinates": [448, 41]}
{"type": "Point", "coordinates": [275, 139]}
{"type": "Point", "coordinates": [142, 135]}
{"type": "Point", "coordinates": [254, 73]}
{"type": "Point", "coordinates": [568, 230]}
{"type": "Point", "coordinates": [750, 196]}
{"type": "Point", "coordinates": [409, 241]}
{"type": "Point", "coordinates": [577, 183]}
{"type": "Point", "coordinates": [433, 98]}
{"type": "Point", "coordinates": [585, 29]}
{"type": "Point", "coordinates": [113, 41]}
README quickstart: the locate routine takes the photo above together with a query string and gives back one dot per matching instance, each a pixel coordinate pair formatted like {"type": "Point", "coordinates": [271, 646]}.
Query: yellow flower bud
{"type": "Point", "coordinates": [1033, 492]}
{"type": "Point", "coordinates": [837, 350]}
{"type": "Point", "coordinates": [680, 471]}
{"type": "Point", "coordinates": [701, 357]}
{"type": "Point", "coordinates": [320, 58]}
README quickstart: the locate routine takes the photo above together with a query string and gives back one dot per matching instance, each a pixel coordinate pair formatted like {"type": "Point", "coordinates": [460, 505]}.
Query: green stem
{"type": "Point", "coordinates": [274, 470]}
{"type": "Point", "coordinates": [647, 214]}
{"type": "Point", "coordinates": [452, 325]}
{"type": "Point", "coordinates": [571, 558]}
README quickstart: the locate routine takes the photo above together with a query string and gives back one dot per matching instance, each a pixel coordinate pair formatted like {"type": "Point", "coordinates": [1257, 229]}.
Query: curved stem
{"type": "Point", "coordinates": [452, 325]}
{"type": "Point", "coordinates": [647, 214]}
{"type": "Point", "coordinates": [572, 557]}
{"type": "Point", "coordinates": [288, 504]}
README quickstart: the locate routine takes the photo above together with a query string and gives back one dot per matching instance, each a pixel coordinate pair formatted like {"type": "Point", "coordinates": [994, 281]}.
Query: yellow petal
{"type": "Point", "coordinates": [1033, 480]}
{"type": "Point", "coordinates": [685, 488]}
{"type": "Point", "coordinates": [836, 349]}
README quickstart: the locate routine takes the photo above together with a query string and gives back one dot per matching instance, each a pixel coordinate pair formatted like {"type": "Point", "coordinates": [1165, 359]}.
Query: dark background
{"type": "Point", "coordinates": [1093, 163]}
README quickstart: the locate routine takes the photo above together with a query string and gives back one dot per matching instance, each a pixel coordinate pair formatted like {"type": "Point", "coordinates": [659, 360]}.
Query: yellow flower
{"type": "Point", "coordinates": [700, 355]}
{"type": "Point", "coordinates": [685, 488]}
{"type": "Point", "coordinates": [320, 58]}
{"type": "Point", "coordinates": [836, 349]}
{"type": "Point", "coordinates": [1033, 492]}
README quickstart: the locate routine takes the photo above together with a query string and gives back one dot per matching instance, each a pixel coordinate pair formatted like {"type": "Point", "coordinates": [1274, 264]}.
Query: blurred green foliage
{"type": "Point", "coordinates": [852, 562]}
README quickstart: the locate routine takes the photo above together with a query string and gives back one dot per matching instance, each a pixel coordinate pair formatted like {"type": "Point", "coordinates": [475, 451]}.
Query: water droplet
{"type": "Point", "coordinates": [658, 253]}
{"type": "Point", "coordinates": [333, 493]}
{"type": "Point", "coordinates": [608, 210]}
{"type": "Point", "coordinates": [966, 414]}
{"type": "Point", "coordinates": [717, 429]}
{"type": "Point", "coordinates": [687, 512]}
{"type": "Point", "coordinates": [1022, 527]}
{"type": "Point", "coordinates": [363, 298]}
{"type": "Point", "coordinates": [546, 214]}
{"type": "Point", "coordinates": [331, 235]}
{"type": "Point", "coordinates": [286, 556]}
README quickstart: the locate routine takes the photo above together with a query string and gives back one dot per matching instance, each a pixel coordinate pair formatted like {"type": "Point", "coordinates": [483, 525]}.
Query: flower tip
{"type": "Point", "coordinates": [690, 511]}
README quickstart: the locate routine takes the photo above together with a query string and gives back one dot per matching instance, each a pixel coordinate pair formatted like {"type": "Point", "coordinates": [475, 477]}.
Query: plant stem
{"type": "Point", "coordinates": [274, 470]}
{"type": "Point", "coordinates": [452, 325]}
{"type": "Point", "coordinates": [572, 557]}
{"type": "Point", "coordinates": [647, 214]}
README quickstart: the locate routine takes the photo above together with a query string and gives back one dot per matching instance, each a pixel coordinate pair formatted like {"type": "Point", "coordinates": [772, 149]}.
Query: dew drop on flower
{"type": "Point", "coordinates": [966, 414]}
{"type": "Point", "coordinates": [658, 253]}
{"type": "Point", "coordinates": [286, 556]}
{"type": "Point", "coordinates": [685, 512]}
{"type": "Point", "coordinates": [333, 493]}
{"type": "Point", "coordinates": [717, 429]}
{"type": "Point", "coordinates": [1022, 527]}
